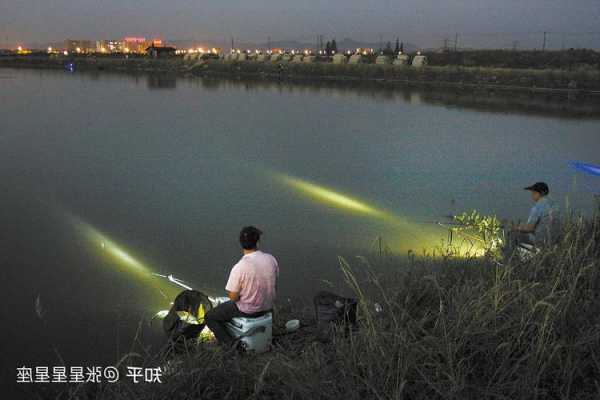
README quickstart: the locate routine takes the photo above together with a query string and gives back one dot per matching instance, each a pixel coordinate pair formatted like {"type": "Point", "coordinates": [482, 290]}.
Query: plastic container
{"type": "Point", "coordinates": [256, 333]}
{"type": "Point", "coordinates": [292, 325]}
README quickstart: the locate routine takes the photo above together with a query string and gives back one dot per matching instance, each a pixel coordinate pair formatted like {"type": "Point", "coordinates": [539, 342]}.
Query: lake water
{"type": "Point", "coordinates": [106, 178]}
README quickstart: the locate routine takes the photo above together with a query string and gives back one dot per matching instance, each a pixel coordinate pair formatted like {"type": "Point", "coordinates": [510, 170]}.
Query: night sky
{"type": "Point", "coordinates": [424, 22]}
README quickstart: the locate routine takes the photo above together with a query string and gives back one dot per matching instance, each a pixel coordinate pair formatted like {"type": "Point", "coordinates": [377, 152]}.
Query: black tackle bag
{"type": "Point", "coordinates": [331, 309]}
{"type": "Point", "coordinates": [185, 319]}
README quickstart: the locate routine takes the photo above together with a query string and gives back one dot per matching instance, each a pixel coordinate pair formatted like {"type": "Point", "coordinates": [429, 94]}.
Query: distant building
{"type": "Point", "coordinates": [355, 58]}
{"type": "Point", "coordinates": [383, 59]}
{"type": "Point", "coordinates": [339, 58]}
{"type": "Point", "coordinates": [419, 61]}
{"type": "Point", "coordinates": [109, 46]}
{"type": "Point", "coordinates": [136, 45]}
{"type": "Point", "coordinates": [80, 46]}
{"type": "Point", "coordinates": [161, 51]}
{"type": "Point", "coordinates": [402, 59]}
{"type": "Point", "coordinates": [263, 57]}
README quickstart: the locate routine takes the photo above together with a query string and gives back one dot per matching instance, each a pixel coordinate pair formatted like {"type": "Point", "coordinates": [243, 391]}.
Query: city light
{"type": "Point", "coordinates": [20, 48]}
{"type": "Point", "coordinates": [50, 49]}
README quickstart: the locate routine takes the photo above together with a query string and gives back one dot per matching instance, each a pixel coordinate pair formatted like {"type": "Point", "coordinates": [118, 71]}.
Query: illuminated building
{"type": "Point", "coordinates": [23, 51]}
{"type": "Point", "coordinates": [137, 45]}
{"type": "Point", "coordinates": [109, 46]}
{"type": "Point", "coordinates": [80, 46]}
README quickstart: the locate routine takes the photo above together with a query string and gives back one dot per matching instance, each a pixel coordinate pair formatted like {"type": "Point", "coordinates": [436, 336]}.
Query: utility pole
{"type": "Point", "coordinates": [232, 47]}
{"type": "Point", "coordinates": [455, 42]}
{"type": "Point", "coordinates": [544, 44]}
{"type": "Point", "coordinates": [268, 42]}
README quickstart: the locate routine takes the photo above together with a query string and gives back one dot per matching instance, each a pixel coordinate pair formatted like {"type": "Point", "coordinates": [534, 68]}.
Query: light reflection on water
{"type": "Point", "coordinates": [171, 175]}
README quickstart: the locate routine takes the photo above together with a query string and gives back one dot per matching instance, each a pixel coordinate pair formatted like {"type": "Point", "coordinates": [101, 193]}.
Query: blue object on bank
{"type": "Point", "coordinates": [589, 169]}
{"type": "Point", "coordinates": [70, 67]}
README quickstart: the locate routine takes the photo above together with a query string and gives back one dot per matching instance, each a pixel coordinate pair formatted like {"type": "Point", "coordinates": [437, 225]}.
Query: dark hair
{"type": "Point", "coordinates": [249, 236]}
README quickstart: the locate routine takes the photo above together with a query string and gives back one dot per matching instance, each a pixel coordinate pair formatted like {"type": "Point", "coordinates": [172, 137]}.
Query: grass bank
{"type": "Point", "coordinates": [451, 328]}
{"type": "Point", "coordinates": [541, 80]}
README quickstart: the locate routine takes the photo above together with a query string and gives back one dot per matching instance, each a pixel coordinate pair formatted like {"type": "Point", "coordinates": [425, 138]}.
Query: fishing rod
{"type": "Point", "coordinates": [181, 283]}
{"type": "Point", "coordinates": [174, 280]}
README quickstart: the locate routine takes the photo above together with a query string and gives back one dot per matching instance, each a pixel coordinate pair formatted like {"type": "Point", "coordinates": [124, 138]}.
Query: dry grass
{"type": "Point", "coordinates": [450, 329]}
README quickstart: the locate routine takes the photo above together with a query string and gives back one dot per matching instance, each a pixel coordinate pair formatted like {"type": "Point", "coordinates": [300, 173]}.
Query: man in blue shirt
{"type": "Point", "coordinates": [542, 219]}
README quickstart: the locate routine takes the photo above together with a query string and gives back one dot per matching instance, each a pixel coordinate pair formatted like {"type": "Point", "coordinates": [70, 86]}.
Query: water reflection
{"type": "Point", "coordinates": [498, 100]}
{"type": "Point", "coordinates": [562, 105]}
{"type": "Point", "coordinates": [161, 81]}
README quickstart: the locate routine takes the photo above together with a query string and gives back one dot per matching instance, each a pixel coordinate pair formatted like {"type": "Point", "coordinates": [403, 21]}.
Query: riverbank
{"type": "Point", "coordinates": [576, 82]}
{"type": "Point", "coordinates": [451, 328]}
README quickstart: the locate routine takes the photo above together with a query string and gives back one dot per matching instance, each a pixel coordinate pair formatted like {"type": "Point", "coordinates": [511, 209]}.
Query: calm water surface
{"type": "Point", "coordinates": [170, 170]}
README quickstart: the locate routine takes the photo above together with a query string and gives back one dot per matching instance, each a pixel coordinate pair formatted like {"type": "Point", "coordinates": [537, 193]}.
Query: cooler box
{"type": "Point", "coordinates": [256, 333]}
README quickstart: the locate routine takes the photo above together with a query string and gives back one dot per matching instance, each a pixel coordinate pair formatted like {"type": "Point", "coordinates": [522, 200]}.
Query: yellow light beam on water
{"type": "Point", "coordinates": [411, 235]}
{"type": "Point", "coordinates": [330, 197]}
{"type": "Point", "coordinates": [121, 257]}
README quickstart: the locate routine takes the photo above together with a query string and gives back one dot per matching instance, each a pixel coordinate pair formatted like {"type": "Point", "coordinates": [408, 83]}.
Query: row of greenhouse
{"type": "Point", "coordinates": [401, 59]}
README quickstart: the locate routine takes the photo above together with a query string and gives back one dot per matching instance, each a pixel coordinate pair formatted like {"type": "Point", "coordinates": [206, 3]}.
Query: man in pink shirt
{"type": "Point", "coordinates": [251, 286]}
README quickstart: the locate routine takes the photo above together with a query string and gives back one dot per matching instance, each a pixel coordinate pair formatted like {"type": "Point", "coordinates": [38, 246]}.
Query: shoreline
{"type": "Point", "coordinates": [165, 75]}
{"type": "Point", "coordinates": [570, 84]}
{"type": "Point", "coordinates": [471, 327]}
